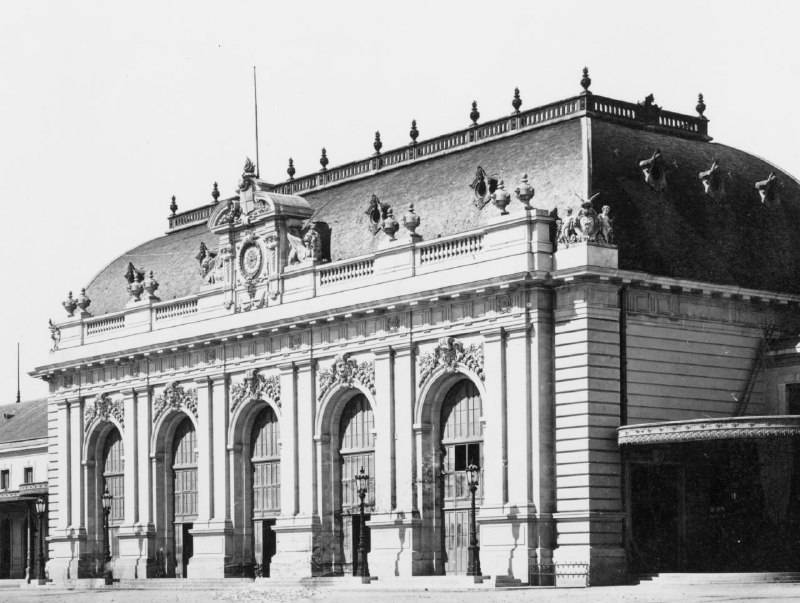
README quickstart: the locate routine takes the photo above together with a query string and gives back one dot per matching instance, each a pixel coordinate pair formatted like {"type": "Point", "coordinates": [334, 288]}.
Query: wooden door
{"type": "Point", "coordinates": [456, 538]}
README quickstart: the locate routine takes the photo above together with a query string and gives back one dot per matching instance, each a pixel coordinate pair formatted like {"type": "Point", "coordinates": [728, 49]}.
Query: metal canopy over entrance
{"type": "Point", "coordinates": [717, 495]}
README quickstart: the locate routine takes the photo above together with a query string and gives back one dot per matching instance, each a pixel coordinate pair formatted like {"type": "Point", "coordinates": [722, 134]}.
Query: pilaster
{"type": "Point", "coordinates": [495, 462]}
{"type": "Point", "coordinates": [298, 528]}
{"type": "Point", "coordinates": [587, 405]}
{"type": "Point", "coordinates": [384, 431]}
{"type": "Point", "coordinates": [212, 533]}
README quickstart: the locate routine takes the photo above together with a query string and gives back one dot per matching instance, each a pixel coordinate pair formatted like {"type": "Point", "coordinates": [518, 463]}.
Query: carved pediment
{"type": "Point", "coordinates": [175, 397]}
{"type": "Point", "coordinates": [346, 371]}
{"type": "Point", "coordinates": [103, 407]}
{"type": "Point", "coordinates": [255, 386]}
{"type": "Point", "coordinates": [450, 353]}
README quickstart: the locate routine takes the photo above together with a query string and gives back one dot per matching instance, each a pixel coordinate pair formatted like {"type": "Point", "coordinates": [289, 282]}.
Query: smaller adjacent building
{"type": "Point", "coordinates": [23, 480]}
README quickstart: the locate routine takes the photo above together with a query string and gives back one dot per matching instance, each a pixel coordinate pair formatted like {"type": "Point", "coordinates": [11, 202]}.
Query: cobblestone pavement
{"type": "Point", "coordinates": [642, 593]}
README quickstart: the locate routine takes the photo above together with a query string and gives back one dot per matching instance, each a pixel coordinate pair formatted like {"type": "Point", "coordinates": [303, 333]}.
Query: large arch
{"type": "Point", "coordinates": [431, 461]}
{"type": "Point", "coordinates": [95, 452]}
{"type": "Point", "coordinates": [249, 533]}
{"type": "Point", "coordinates": [163, 439]}
{"type": "Point", "coordinates": [328, 436]}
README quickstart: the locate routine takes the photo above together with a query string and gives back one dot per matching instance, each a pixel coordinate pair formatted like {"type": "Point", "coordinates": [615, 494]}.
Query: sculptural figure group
{"type": "Point", "coordinates": [587, 226]}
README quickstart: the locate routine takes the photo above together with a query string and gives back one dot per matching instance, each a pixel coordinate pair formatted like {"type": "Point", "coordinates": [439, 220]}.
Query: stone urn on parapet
{"type": "Point", "coordinates": [135, 278]}
{"type": "Point", "coordinates": [411, 222]}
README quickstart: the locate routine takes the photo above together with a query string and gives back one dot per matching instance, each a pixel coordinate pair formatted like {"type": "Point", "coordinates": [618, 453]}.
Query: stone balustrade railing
{"type": "Point", "coordinates": [346, 272]}
{"type": "Point", "coordinates": [436, 251]}
{"type": "Point", "coordinates": [97, 327]}
{"type": "Point", "coordinates": [176, 310]}
{"type": "Point", "coordinates": [192, 216]}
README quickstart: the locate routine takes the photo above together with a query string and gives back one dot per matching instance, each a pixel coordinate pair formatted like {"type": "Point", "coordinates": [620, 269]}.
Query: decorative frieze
{"type": "Point", "coordinates": [710, 429]}
{"type": "Point", "coordinates": [345, 371]}
{"type": "Point", "coordinates": [175, 397]}
{"type": "Point", "coordinates": [255, 387]}
{"type": "Point", "coordinates": [450, 353]}
{"type": "Point", "coordinates": [103, 407]}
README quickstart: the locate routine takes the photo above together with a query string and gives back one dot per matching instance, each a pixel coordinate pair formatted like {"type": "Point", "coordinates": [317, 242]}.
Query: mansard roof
{"type": "Point", "coordinates": [23, 421]}
{"type": "Point", "coordinates": [570, 150]}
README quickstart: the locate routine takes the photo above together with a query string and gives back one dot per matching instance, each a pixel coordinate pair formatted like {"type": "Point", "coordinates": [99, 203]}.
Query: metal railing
{"type": "Point", "coordinates": [559, 574]}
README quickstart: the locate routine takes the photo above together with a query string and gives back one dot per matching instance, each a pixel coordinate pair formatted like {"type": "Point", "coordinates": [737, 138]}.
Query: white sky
{"type": "Point", "coordinates": [108, 109]}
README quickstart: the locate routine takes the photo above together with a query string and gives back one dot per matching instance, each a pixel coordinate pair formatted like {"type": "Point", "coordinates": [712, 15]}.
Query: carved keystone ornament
{"type": "Point", "coordinates": [175, 397]}
{"type": "Point", "coordinates": [345, 371]}
{"type": "Point", "coordinates": [103, 407]}
{"type": "Point", "coordinates": [449, 353]}
{"type": "Point", "coordinates": [256, 387]}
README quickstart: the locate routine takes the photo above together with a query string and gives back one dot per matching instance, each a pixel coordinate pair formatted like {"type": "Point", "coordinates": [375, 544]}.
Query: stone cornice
{"type": "Point", "coordinates": [710, 429]}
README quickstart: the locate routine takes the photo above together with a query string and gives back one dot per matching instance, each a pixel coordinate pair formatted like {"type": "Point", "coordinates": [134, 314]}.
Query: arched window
{"type": "Point", "coordinates": [266, 464]}
{"type": "Point", "coordinates": [113, 476]}
{"type": "Point", "coordinates": [184, 466]}
{"type": "Point", "coordinates": [462, 442]}
{"type": "Point", "coordinates": [357, 449]}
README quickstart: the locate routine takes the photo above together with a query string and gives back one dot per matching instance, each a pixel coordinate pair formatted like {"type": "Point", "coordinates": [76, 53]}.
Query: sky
{"type": "Point", "coordinates": [107, 109]}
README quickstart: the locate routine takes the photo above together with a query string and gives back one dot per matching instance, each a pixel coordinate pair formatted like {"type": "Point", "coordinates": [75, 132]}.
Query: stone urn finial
{"type": "Point", "coordinates": [411, 221]}
{"type": "Point", "coordinates": [525, 192]}
{"type": "Point", "coordinates": [83, 301]}
{"type": "Point", "coordinates": [377, 145]}
{"type": "Point", "coordinates": [517, 102]}
{"type": "Point", "coordinates": [414, 133]}
{"type": "Point", "coordinates": [501, 198]}
{"type": "Point", "coordinates": [389, 224]}
{"type": "Point", "coordinates": [70, 305]}
{"type": "Point", "coordinates": [701, 106]}
{"type": "Point", "coordinates": [586, 81]}
{"type": "Point", "coordinates": [474, 115]}
{"type": "Point", "coordinates": [215, 193]}
{"type": "Point", "coordinates": [173, 206]}
{"type": "Point", "coordinates": [323, 160]}
{"type": "Point", "coordinates": [290, 170]}
{"type": "Point", "coordinates": [151, 286]}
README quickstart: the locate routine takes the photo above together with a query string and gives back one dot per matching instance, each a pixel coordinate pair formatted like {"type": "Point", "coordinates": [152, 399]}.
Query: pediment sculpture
{"type": "Point", "coordinates": [175, 397]}
{"type": "Point", "coordinates": [450, 353]}
{"type": "Point", "coordinates": [103, 407]}
{"type": "Point", "coordinates": [346, 371]}
{"type": "Point", "coordinates": [255, 386]}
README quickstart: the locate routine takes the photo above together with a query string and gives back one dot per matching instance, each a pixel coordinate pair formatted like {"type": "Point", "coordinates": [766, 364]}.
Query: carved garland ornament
{"type": "Point", "coordinates": [449, 353]}
{"type": "Point", "coordinates": [103, 407]}
{"type": "Point", "coordinates": [345, 371]}
{"type": "Point", "coordinates": [174, 397]}
{"type": "Point", "coordinates": [256, 387]}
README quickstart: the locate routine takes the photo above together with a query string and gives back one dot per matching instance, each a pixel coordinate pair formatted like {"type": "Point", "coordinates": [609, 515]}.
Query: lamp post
{"type": "Point", "coordinates": [41, 507]}
{"type": "Point", "coordinates": [362, 485]}
{"type": "Point", "coordinates": [474, 563]}
{"type": "Point", "coordinates": [106, 499]}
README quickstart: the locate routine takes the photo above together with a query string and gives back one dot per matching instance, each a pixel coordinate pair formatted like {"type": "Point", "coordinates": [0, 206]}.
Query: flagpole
{"type": "Point", "coordinates": [18, 398]}
{"type": "Point", "coordinates": [255, 98]}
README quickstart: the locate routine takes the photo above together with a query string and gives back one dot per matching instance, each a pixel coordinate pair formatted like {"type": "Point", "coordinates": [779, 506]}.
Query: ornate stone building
{"type": "Point", "coordinates": [616, 353]}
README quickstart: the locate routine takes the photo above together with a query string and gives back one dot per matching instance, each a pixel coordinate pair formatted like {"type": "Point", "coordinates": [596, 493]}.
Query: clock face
{"type": "Point", "coordinates": [251, 260]}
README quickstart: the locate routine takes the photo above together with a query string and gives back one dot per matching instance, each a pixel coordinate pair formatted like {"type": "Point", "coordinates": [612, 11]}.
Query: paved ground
{"type": "Point", "coordinates": [641, 593]}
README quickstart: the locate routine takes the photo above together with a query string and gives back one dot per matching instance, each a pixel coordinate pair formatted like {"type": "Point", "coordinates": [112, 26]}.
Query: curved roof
{"type": "Point", "coordinates": [679, 232]}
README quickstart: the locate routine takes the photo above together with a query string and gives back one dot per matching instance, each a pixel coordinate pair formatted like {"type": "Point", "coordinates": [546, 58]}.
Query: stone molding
{"type": "Point", "coordinates": [103, 407]}
{"type": "Point", "coordinates": [255, 386]}
{"type": "Point", "coordinates": [710, 429]}
{"type": "Point", "coordinates": [346, 371]}
{"type": "Point", "coordinates": [175, 397]}
{"type": "Point", "coordinates": [450, 353]}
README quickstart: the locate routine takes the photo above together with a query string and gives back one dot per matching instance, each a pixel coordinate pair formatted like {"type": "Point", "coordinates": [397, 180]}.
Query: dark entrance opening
{"type": "Point", "coordinates": [269, 546]}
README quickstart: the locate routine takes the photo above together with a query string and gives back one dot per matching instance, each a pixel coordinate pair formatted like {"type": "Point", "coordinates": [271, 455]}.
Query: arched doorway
{"type": "Point", "coordinates": [184, 492]}
{"type": "Point", "coordinates": [113, 471]}
{"type": "Point", "coordinates": [265, 467]}
{"type": "Point", "coordinates": [356, 450]}
{"type": "Point", "coordinates": [461, 446]}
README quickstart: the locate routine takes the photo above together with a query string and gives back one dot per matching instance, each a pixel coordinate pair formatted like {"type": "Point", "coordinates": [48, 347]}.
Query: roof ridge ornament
{"type": "Point", "coordinates": [413, 133]}
{"type": "Point", "coordinates": [215, 193]}
{"type": "Point", "coordinates": [517, 102]}
{"type": "Point", "coordinates": [377, 145]}
{"type": "Point", "coordinates": [474, 115]}
{"type": "Point", "coordinates": [525, 192]}
{"type": "Point", "coordinates": [501, 198]}
{"type": "Point", "coordinates": [290, 170]}
{"type": "Point", "coordinates": [173, 207]}
{"type": "Point", "coordinates": [323, 160]}
{"type": "Point", "coordinates": [701, 107]}
{"type": "Point", "coordinates": [586, 81]}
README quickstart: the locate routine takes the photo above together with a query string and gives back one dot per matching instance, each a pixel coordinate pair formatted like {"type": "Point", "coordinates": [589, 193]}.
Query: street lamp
{"type": "Point", "coordinates": [362, 484]}
{"type": "Point", "coordinates": [106, 499]}
{"type": "Point", "coordinates": [41, 507]}
{"type": "Point", "coordinates": [474, 564]}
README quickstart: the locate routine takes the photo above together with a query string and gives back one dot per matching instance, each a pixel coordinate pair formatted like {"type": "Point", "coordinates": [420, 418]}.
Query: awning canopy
{"type": "Point", "coordinates": [710, 429]}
